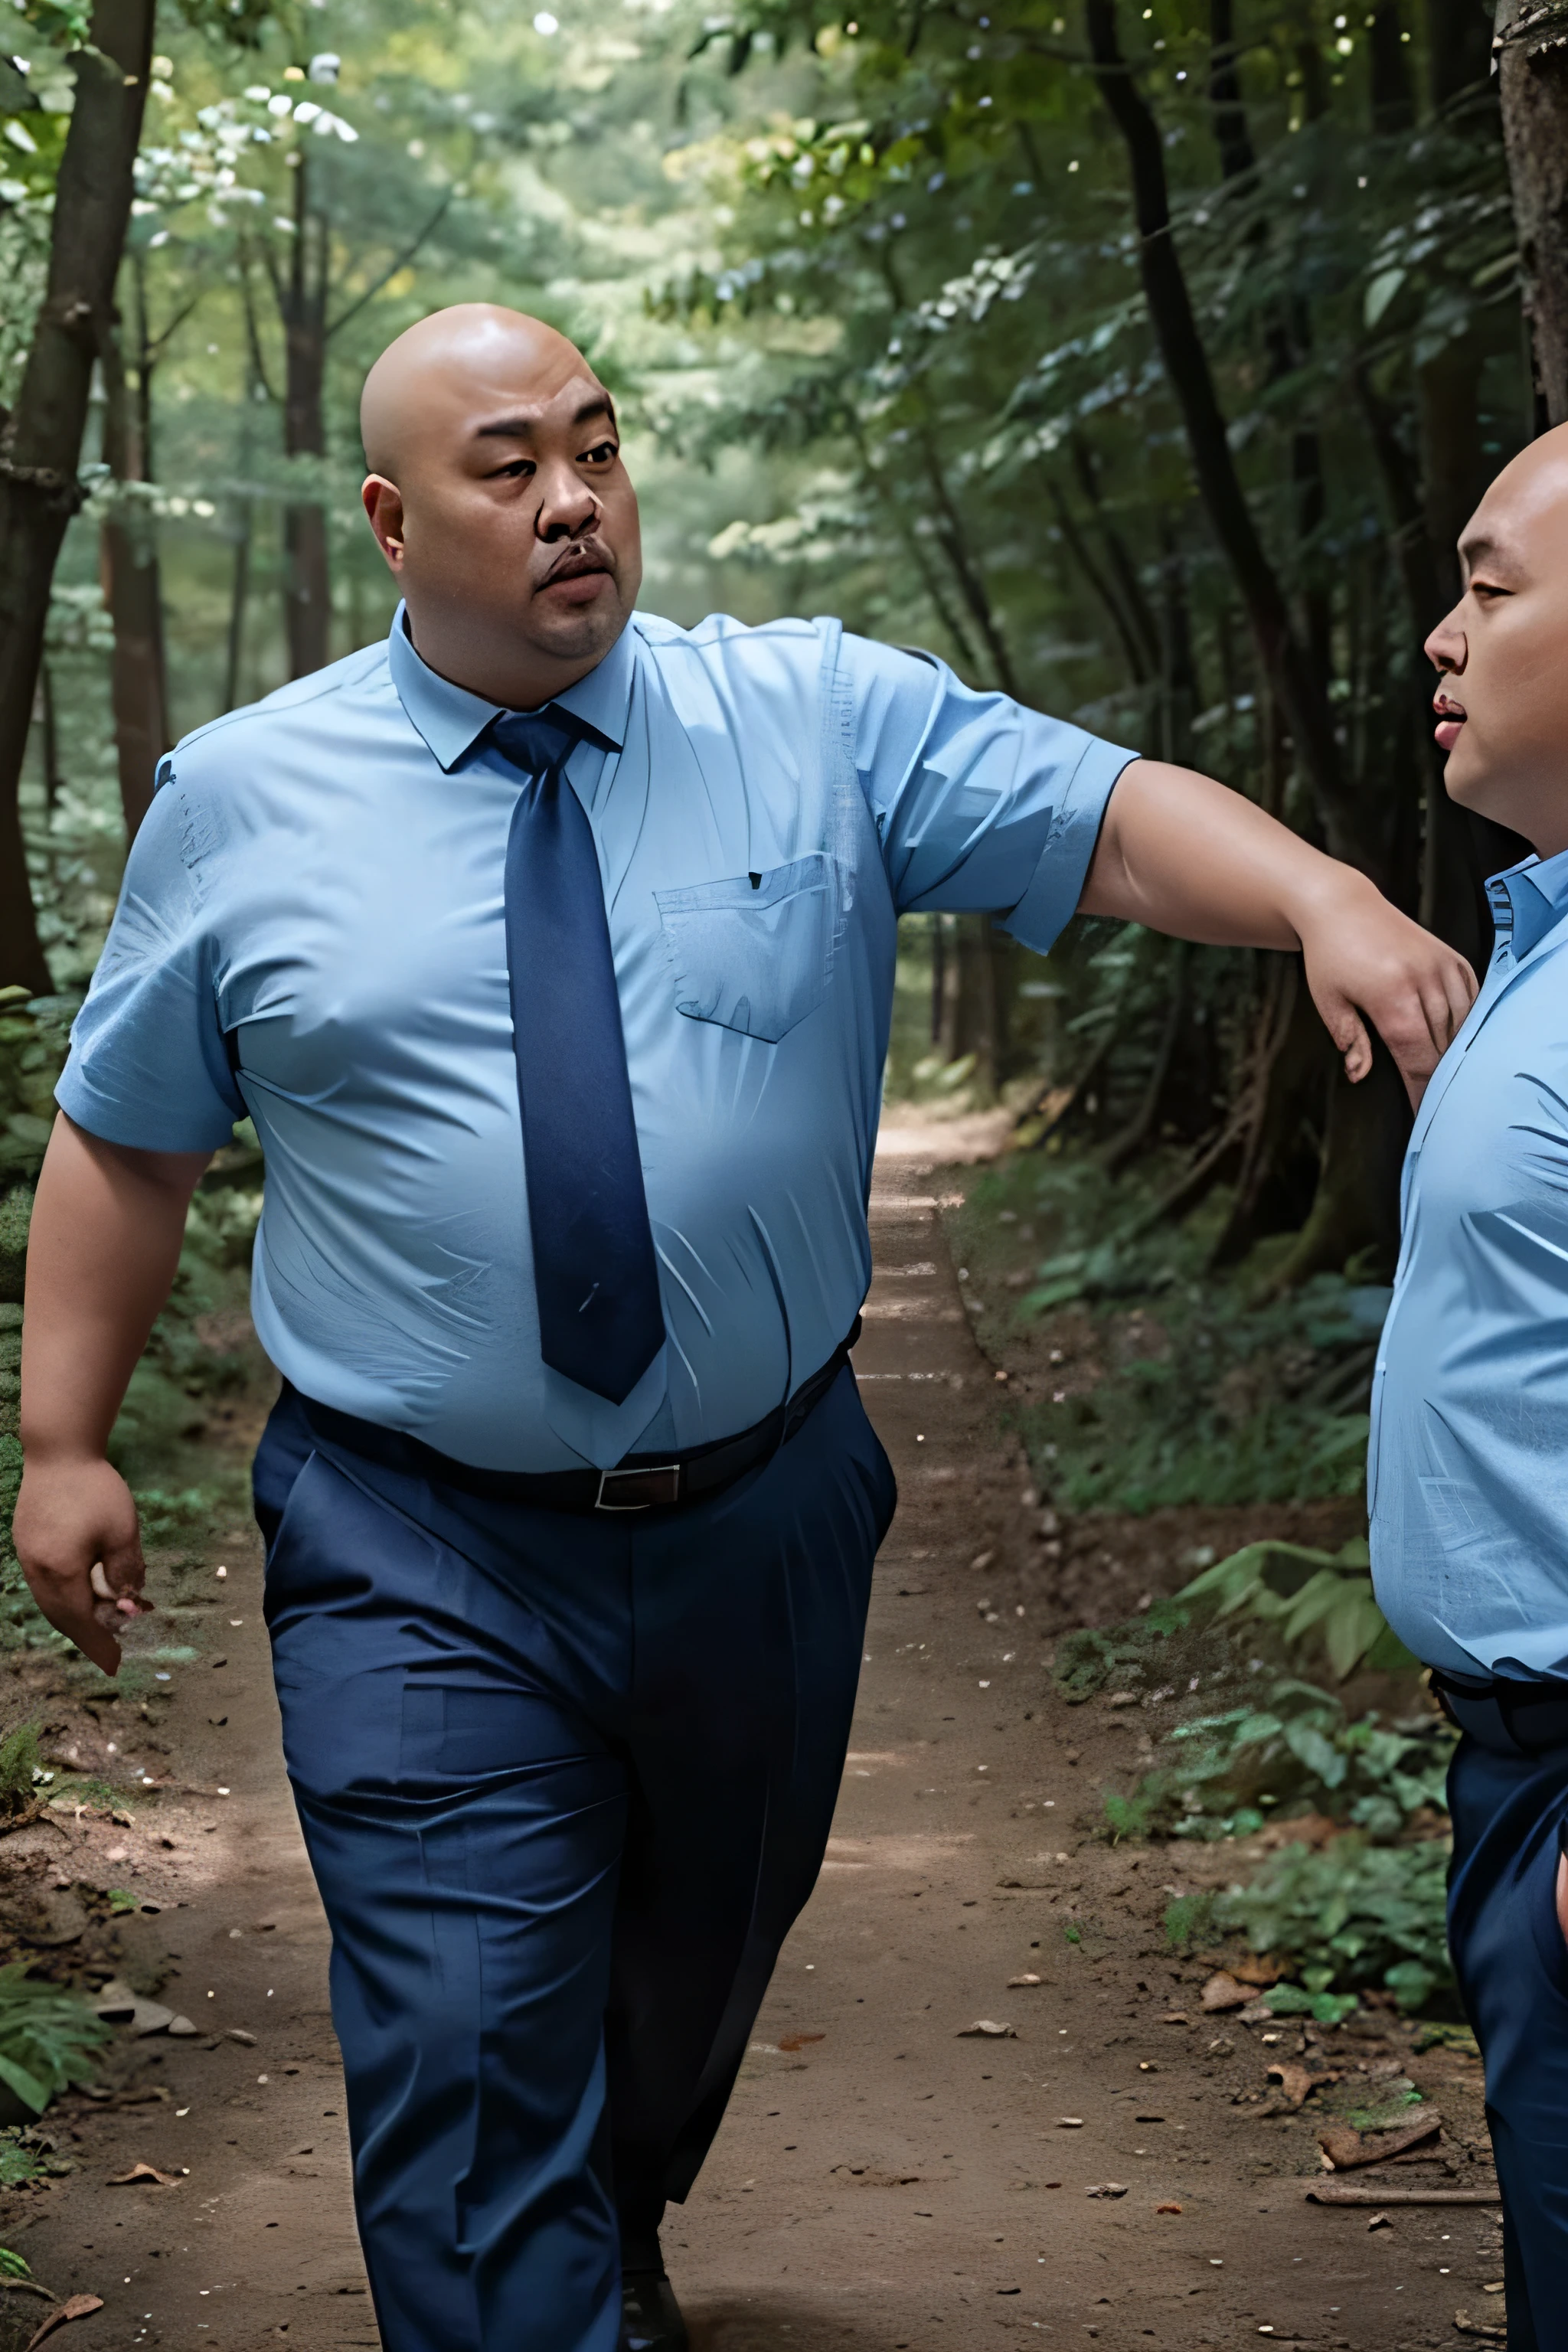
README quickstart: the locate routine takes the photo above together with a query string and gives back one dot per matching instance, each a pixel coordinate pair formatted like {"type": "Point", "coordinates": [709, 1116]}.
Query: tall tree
{"type": "Point", "coordinates": [41, 443]}
{"type": "Point", "coordinates": [1532, 49]}
{"type": "Point", "coordinates": [132, 589]}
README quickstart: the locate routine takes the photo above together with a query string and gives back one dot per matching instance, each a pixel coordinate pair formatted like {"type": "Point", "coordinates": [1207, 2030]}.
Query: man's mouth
{"type": "Point", "coordinates": [1450, 720]}
{"type": "Point", "coordinates": [578, 577]}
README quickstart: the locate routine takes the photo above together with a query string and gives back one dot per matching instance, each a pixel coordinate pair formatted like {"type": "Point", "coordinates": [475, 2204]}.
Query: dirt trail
{"type": "Point", "coordinates": [885, 2178]}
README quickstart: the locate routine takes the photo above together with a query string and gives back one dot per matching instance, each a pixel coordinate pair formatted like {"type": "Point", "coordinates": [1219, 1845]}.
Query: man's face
{"type": "Point", "coordinates": [513, 525]}
{"type": "Point", "coordinates": [1502, 700]}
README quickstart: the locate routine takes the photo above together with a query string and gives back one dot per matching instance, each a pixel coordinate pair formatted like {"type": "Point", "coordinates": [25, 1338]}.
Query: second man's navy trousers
{"type": "Point", "coordinates": [566, 1782]}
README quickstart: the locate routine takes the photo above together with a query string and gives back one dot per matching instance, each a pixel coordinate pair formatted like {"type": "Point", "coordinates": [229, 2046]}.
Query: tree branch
{"type": "Point", "coordinates": [390, 272]}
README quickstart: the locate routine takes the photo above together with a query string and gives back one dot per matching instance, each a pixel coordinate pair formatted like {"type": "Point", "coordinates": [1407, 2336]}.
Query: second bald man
{"type": "Point", "coordinates": [550, 950]}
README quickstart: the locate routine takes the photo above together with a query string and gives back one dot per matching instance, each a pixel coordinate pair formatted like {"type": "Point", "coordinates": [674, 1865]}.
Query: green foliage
{"type": "Point", "coordinates": [1310, 1599]}
{"type": "Point", "coordinates": [1208, 1388]}
{"type": "Point", "coordinates": [1293, 1747]}
{"type": "Point", "coordinates": [1316, 1607]}
{"type": "Point", "coordinates": [46, 2036]}
{"type": "Point", "coordinates": [121, 1899]}
{"type": "Point", "coordinates": [19, 2163]}
{"type": "Point", "coordinates": [20, 1771]}
{"type": "Point", "coordinates": [1359, 1912]}
{"type": "Point", "coordinates": [13, 2266]}
{"type": "Point", "coordinates": [1093, 1658]}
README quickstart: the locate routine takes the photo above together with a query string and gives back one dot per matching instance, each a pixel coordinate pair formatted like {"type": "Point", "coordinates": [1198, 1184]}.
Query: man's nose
{"type": "Point", "coordinates": [568, 505]}
{"type": "Point", "coordinates": [1447, 648]}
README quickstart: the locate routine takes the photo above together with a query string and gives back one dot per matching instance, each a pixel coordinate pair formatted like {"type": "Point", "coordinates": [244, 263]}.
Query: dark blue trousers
{"type": "Point", "coordinates": [564, 1782]}
{"type": "Point", "coordinates": [1512, 1967]}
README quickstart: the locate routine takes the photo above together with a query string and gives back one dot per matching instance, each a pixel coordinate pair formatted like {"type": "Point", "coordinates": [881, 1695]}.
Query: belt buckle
{"type": "Point", "coordinates": [644, 1489]}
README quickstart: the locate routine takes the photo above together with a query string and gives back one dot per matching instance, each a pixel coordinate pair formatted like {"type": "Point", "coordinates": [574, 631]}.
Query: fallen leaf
{"type": "Point", "coordinates": [181, 2026]}
{"type": "Point", "coordinates": [1070, 2123]}
{"type": "Point", "coordinates": [1257, 1969]}
{"type": "Point", "coordinates": [237, 2033]}
{"type": "Point", "coordinates": [787, 2041]}
{"type": "Point", "coordinates": [1122, 1698]}
{"type": "Point", "coordinates": [1466, 2326]}
{"type": "Point", "coordinates": [1026, 1978]}
{"type": "Point", "coordinates": [988, 2029]}
{"type": "Point", "coordinates": [1345, 2147]}
{"type": "Point", "coordinates": [1380, 2221]}
{"type": "Point", "coordinates": [1169, 2208]}
{"type": "Point", "coordinates": [1107, 2189]}
{"type": "Point", "coordinates": [1175, 2017]}
{"type": "Point", "coordinates": [1222, 1991]}
{"type": "Point", "coordinates": [144, 2172]}
{"type": "Point", "coordinates": [1294, 2081]}
{"type": "Point", "coordinates": [76, 2306]}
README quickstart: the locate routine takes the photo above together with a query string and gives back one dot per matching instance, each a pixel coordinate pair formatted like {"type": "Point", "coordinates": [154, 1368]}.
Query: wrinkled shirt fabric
{"type": "Point", "coordinates": [311, 932]}
{"type": "Point", "coordinates": [1468, 1472]}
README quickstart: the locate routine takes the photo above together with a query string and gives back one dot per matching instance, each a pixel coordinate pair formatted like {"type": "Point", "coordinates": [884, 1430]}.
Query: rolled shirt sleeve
{"type": "Point", "coordinates": [981, 804]}
{"type": "Point", "coordinates": [148, 1066]}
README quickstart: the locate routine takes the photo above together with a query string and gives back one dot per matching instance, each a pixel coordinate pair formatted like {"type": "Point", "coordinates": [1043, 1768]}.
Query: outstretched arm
{"type": "Point", "coordinates": [1180, 853]}
{"type": "Point", "coordinates": [102, 1247]}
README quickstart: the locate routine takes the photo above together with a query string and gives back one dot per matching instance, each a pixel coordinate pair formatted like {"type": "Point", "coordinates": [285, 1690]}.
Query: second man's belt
{"type": "Point", "coordinates": [643, 1482]}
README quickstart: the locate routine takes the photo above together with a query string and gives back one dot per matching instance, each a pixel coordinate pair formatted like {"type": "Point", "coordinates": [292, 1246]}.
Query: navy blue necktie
{"type": "Point", "coordinates": [595, 1272]}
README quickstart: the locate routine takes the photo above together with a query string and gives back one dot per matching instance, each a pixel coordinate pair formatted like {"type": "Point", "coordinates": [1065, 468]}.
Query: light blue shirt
{"type": "Point", "coordinates": [1467, 1480]}
{"type": "Point", "coordinates": [312, 930]}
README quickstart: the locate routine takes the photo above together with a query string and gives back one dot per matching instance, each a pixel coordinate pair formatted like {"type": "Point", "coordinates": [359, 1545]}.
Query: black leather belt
{"type": "Point", "coordinates": [643, 1482]}
{"type": "Point", "coordinates": [1509, 1717]}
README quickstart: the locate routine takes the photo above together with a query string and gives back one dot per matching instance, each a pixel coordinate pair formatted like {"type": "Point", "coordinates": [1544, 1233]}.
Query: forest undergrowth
{"type": "Point", "coordinates": [203, 1375]}
{"type": "Point", "coordinates": [1288, 1725]}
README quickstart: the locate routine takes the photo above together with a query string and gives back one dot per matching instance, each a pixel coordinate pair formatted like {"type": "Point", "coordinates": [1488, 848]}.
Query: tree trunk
{"type": "Point", "coordinates": [1280, 652]}
{"type": "Point", "coordinates": [1532, 76]}
{"type": "Point", "coordinates": [979, 1001]}
{"type": "Point", "coordinates": [133, 592]}
{"type": "Point", "coordinates": [303, 304]}
{"type": "Point", "coordinates": [1355, 1207]}
{"type": "Point", "coordinates": [40, 447]}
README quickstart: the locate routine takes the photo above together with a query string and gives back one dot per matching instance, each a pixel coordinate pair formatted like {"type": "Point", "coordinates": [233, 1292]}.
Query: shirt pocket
{"type": "Point", "coordinates": [756, 958]}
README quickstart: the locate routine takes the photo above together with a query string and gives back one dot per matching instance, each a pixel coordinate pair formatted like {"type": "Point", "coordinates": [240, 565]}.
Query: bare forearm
{"type": "Point", "coordinates": [1179, 853]}
{"type": "Point", "coordinates": [102, 1248]}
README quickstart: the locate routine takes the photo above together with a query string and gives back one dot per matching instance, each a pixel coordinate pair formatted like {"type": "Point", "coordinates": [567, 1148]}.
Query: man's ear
{"type": "Point", "coordinates": [382, 503]}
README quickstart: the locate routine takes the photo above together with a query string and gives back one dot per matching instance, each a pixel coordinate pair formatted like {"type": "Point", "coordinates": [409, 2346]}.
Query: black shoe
{"type": "Point", "coordinates": [650, 2316]}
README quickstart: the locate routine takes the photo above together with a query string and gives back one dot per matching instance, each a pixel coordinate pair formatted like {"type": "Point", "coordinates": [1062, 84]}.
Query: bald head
{"type": "Point", "coordinates": [1502, 697]}
{"type": "Point", "coordinates": [439, 366]}
{"type": "Point", "coordinates": [496, 493]}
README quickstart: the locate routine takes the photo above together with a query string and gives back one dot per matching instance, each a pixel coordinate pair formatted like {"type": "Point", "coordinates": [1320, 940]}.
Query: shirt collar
{"type": "Point", "coordinates": [450, 721]}
{"type": "Point", "coordinates": [1529, 900]}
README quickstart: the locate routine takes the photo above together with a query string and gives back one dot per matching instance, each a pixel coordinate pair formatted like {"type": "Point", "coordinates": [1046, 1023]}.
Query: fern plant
{"type": "Point", "coordinates": [47, 2035]}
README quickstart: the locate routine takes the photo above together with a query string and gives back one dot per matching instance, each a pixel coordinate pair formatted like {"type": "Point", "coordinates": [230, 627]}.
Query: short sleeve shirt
{"type": "Point", "coordinates": [311, 932]}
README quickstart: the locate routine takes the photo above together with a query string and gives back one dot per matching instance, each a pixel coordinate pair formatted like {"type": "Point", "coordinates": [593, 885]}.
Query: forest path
{"type": "Point", "coordinates": [884, 2177]}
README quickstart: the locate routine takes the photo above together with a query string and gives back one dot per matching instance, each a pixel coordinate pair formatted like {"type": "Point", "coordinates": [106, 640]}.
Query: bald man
{"type": "Point", "coordinates": [550, 948]}
{"type": "Point", "coordinates": [1469, 1475]}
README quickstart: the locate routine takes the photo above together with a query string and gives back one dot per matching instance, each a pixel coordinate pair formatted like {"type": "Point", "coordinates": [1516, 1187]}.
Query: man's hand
{"type": "Point", "coordinates": [102, 1247]}
{"type": "Point", "coordinates": [72, 1515]}
{"type": "Point", "coordinates": [1180, 853]}
{"type": "Point", "coordinates": [1364, 958]}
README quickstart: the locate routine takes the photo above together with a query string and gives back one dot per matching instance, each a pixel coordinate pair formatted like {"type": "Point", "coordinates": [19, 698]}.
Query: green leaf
{"type": "Point", "coordinates": [28, 2087]}
{"type": "Point", "coordinates": [1380, 293]}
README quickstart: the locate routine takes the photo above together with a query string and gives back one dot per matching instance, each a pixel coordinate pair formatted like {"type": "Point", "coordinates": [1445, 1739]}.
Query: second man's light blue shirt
{"type": "Point", "coordinates": [311, 931]}
{"type": "Point", "coordinates": [1469, 1472]}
